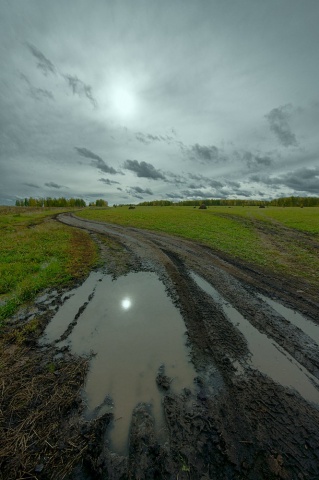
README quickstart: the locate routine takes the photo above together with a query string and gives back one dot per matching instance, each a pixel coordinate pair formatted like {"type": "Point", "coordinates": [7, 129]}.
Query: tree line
{"type": "Point", "coordinates": [277, 202]}
{"type": "Point", "coordinates": [57, 202]}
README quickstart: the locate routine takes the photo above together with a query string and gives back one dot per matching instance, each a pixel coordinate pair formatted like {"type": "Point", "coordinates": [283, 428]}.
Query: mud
{"type": "Point", "coordinates": [242, 420]}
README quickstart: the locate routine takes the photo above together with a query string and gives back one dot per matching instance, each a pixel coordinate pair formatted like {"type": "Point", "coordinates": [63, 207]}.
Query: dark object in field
{"type": "Point", "coordinates": [131, 207]}
{"type": "Point", "coordinates": [202, 206]}
{"type": "Point", "coordinates": [262, 206]}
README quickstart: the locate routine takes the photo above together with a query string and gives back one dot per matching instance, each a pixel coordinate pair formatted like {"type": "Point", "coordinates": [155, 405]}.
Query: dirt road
{"type": "Point", "coordinates": [240, 423]}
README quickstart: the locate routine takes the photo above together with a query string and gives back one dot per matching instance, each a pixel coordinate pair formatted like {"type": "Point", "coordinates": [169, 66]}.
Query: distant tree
{"type": "Point", "coordinates": [101, 203]}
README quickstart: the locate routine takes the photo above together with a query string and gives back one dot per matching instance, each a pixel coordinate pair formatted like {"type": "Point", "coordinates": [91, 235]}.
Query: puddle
{"type": "Point", "coordinates": [266, 355]}
{"type": "Point", "coordinates": [132, 327]}
{"type": "Point", "coordinates": [307, 326]}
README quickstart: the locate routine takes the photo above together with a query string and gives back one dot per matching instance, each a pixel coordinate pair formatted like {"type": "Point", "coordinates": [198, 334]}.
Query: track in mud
{"type": "Point", "coordinates": [250, 417]}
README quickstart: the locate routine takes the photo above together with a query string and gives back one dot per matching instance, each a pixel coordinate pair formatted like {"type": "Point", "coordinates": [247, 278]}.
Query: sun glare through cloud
{"type": "Point", "coordinates": [123, 101]}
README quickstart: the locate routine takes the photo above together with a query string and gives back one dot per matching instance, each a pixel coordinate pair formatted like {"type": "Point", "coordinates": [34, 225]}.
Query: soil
{"type": "Point", "coordinates": [237, 423]}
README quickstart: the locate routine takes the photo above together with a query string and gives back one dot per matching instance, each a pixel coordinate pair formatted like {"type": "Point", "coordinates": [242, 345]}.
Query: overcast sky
{"type": "Point", "coordinates": [142, 100]}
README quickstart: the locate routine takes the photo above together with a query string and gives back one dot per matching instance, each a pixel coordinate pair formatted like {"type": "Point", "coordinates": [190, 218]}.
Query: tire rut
{"type": "Point", "coordinates": [239, 424]}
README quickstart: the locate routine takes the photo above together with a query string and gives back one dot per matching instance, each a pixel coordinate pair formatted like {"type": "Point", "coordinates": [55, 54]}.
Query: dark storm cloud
{"type": "Point", "coordinates": [203, 153]}
{"type": "Point", "coordinates": [119, 188]}
{"type": "Point", "coordinates": [107, 181]}
{"type": "Point", "coordinates": [278, 119]}
{"type": "Point", "coordinates": [140, 190]}
{"type": "Point", "coordinates": [143, 169]}
{"type": "Point", "coordinates": [53, 185]}
{"type": "Point", "coordinates": [80, 88]}
{"type": "Point", "coordinates": [301, 180]}
{"type": "Point", "coordinates": [97, 161]}
{"type": "Point", "coordinates": [32, 185]}
{"type": "Point", "coordinates": [44, 64]}
{"type": "Point", "coordinates": [36, 93]}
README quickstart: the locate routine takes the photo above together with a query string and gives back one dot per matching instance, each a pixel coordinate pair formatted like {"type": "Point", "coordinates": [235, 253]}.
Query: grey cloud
{"type": "Point", "coordinates": [203, 153]}
{"type": "Point", "coordinates": [40, 93]}
{"type": "Point", "coordinates": [195, 177]}
{"type": "Point", "coordinates": [301, 180]}
{"type": "Point", "coordinates": [243, 193]}
{"type": "Point", "coordinates": [233, 184]}
{"type": "Point", "coordinates": [198, 194]}
{"type": "Point", "coordinates": [204, 182]}
{"type": "Point", "coordinates": [173, 195]}
{"type": "Point", "coordinates": [119, 188]}
{"type": "Point", "coordinates": [143, 169]}
{"type": "Point", "coordinates": [175, 178]}
{"type": "Point", "coordinates": [44, 64]}
{"type": "Point", "coordinates": [80, 88]}
{"type": "Point", "coordinates": [98, 162]}
{"type": "Point", "coordinates": [32, 185]}
{"type": "Point", "coordinates": [278, 119]}
{"type": "Point", "coordinates": [141, 190]}
{"type": "Point", "coordinates": [53, 185]}
{"type": "Point", "coordinates": [107, 181]}
{"type": "Point", "coordinates": [96, 195]}
{"type": "Point", "coordinates": [36, 93]}
{"type": "Point", "coordinates": [254, 161]}
{"type": "Point", "coordinates": [147, 138]}
{"type": "Point", "coordinates": [214, 183]}
{"type": "Point", "coordinates": [195, 185]}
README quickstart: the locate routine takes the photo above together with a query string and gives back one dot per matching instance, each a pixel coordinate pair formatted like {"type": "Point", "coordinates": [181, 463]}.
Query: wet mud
{"type": "Point", "coordinates": [249, 406]}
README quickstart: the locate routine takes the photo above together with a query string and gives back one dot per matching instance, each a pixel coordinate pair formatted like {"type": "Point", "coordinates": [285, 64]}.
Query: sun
{"type": "Point", "coordinates": [123, 101]}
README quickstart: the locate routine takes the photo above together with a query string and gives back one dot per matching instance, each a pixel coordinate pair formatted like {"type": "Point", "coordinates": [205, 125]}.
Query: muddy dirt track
{"type": "Point", "coordinates": [254, 410]}
{"type": "Point", "coordinates": [239, 423]}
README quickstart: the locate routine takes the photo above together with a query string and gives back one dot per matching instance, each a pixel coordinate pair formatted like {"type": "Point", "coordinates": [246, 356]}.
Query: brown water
{"type": "Point", "coordinates": [266, 355]}
{"type": "Point", "coordinates": [132, 327]}
{"type": "Point", "coordinates": [306, 325]}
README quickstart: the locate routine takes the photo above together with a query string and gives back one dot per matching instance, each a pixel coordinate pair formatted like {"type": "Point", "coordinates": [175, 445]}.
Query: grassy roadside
{"type": "Point", "coordinates": [36, 252]}
{"type": "Point", "coordinates": [282, 240]}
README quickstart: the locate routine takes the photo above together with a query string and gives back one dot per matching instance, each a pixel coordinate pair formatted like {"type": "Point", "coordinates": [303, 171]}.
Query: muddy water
{"type": "Point", "coordinates": [133, 328]}
{"type": "Point", "coordinates": [266, 355]}
{"type": "Point", "coordinates": [307, 326]}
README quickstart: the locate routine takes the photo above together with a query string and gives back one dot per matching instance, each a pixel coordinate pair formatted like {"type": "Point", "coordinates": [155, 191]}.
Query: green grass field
{"type": "Point", "coordinates": [264, 237]}
{"type": "Point", "coordinates": [37, 252]}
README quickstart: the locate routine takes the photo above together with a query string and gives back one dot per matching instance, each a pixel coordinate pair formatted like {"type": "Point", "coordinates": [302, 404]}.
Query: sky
{"type": "Point", "coordinates": [143, 100]}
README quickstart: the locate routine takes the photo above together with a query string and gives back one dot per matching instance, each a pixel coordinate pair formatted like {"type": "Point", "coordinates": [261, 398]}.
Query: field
{"type": "Point", "coordinates": [36, 252]}
{"type": "Point", "coordinates": [282, 240]}
{"type": "Point", "coordinates": [255, 367]}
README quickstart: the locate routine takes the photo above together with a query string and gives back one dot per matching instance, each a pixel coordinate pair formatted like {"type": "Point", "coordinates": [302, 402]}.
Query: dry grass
{"type": "Point", "coordinates": [37, 436]}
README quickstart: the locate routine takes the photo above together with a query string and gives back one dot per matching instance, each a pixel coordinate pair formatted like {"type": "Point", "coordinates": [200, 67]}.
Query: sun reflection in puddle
{"type": "Point", "coordinates": [132, 327]}
{"type": "Point", "coordinates": [126, 303]}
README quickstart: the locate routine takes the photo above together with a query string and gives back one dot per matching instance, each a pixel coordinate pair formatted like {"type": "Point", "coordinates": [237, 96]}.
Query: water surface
{"type": "Point", "coordinates": [133, 328]}
{"type": "Point", "coordinates": [266, 355]}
